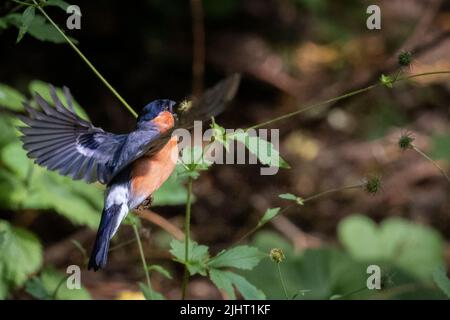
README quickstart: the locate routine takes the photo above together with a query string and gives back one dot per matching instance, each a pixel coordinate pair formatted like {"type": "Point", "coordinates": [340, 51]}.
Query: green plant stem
{"type": "Point", "coordinates": [86, 60]}
{"type": "Point", "coordinates": [141, 252]}
{"type": "Point", "coordinates": [187, 236]}
{"type": "Point", "coordinates": [60, 283]}
{"type": "Point", "coordinates": [320, 194]}
{"type": "Point", "coordinates": [123, 244]}
{"type": "Point", "coordinates": [258, 226]}
{"type": "Point", "coordinates": [282, 281]}
{"type": "Point", "coordinates": [22, 3]}
{"type": "Point", "coordinates": [423, 154]}
{"type": "Point", "coordinates": [341, 97]}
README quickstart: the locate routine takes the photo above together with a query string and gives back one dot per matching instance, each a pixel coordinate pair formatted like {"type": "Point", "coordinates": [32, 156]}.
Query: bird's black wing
{"type": "Point", "coordinates": [60, 140]}
{"type": "Point", "coordinates": [210, 104]}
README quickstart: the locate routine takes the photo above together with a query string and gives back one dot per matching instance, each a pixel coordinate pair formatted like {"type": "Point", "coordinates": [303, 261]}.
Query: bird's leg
{"type": "Point", "coordinates": [145, 204]}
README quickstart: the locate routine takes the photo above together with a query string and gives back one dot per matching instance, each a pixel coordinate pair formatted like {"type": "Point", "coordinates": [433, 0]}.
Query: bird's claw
{"type": "Point", "coordinates": [145, 204]}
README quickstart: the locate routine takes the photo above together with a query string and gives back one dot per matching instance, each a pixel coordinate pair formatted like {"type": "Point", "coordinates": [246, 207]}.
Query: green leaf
{"type": "Point", "coordinates": [222, 282]}
{"type": "Point", "coordinates": [241, 257]}
{"type": "Point", "coordinates": [262, 149]}
{"type": "Point", "coordinates": [21, 255]}
{"type": "Point", "coordinates": [149, 293]}
{"type": "Point", "coordinates": [26, 20]}
{"type": "Point", "coordinates": [11, 98]}
{"type": "Point", "coordinates": [171, 193]}
{"type": "Point", "coordinates": [197, 259]}
{"type": "Point", "coordinates": [14, 158]}
{"type": "Point", "coordinates": [193, 161]}
{"type": "Point", "coordinates": [3, 23]}
{"type": "Point", "coordinates": [54, 282]}
{"type": "Point", "coordinates": [2, 238]}
{"type": "Point", "coordinates": [441, 280]}
{"type": "Point", "coordinates": [288, 196]}
{"type": "Point", "coordinates": [35, 287]}
{"type": "Point", "coordinates": [160, 270]}
{"type": "Point", "coordinates": [57, 3]}
{"type": "Point", "coordinates": [8, 128]}
{"type": "Point", "coordinates": [43, 89]}
{"type": "Point", "coordinates": [386, 81]}
{"type": "Point", "coordinates": [39, 28]}
{"type": "Point", "coordinates": [292, 197]}
{"type": "Point", "coordinates": [33, 187]}
{"type": "Point", "coordinates": [248, 291]}
{"type": "Point", "coordinates": [219, 134]}
{"type": "Point", "coordinates": [268, 215]}
{"type": "Point", "coordinates": [415, 248]}
{"type": "Point", "coordinates": [324, 271]}
{"type": "Point", "coordinates": [225, 280]}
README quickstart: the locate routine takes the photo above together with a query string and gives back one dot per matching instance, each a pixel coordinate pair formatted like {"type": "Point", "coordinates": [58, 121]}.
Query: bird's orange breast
{"type": "Point", "coordinates": [149, 173]}
{"type": "Point", "coordinates": [164, 121]}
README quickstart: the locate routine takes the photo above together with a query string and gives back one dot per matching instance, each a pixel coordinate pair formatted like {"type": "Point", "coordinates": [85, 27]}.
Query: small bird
{"type": "Point", "coordinates": [132, 166]}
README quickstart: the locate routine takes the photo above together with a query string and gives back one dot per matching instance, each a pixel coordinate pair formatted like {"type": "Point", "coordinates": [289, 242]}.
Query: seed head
{"type": "Point", "coordinates": [405, 58]}
{"type": "Point", "coordinates": [372, 184]}
{"type": "Point", "coordinates": [277, 255]}
{"type": "Point", "coordinates": [405, 141]}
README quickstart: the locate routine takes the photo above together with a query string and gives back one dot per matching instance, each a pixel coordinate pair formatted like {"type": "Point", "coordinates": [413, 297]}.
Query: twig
{"type": "Point", "coordinates": [86, 60]}
{"type": "Point", "coordinates": [323, 193]}
{"type": "Point", "coordinates": [141, 252]}
{"type": "Point", "coordinates": [282, 281]}
{"type": "Point", "coordinates": [161, 222]}
{"type": "Point", "coordinates": [187, 228]}
{"type": "Point", "coordinates": [341, 97]}
{"type": "Point", "coordinates": [423, 154]}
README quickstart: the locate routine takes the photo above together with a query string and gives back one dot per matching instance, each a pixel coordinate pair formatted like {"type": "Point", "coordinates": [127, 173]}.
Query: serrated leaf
{"type": "Point", "coordinates": [11, 98]}
{"type": "Point", "coordinates": [160, 270]}
{"type": "Point", "coordinates": [262, 149]}
{"type": "Point", "coordinates": [240, 257]}
{"type": "Point", "coordinates": [268, 215]}
{"type": "Point", "coordinates": [149, 293]}
{"type": "Point", "coordinates": [20, 256]}
{"type": "Point", "coordinates": [441, 280]}
{"type": "Point", "coordinates": [25, 21]}
{"type": "Point", "coordinates": [222, 282]}
{"type": "Point", "coordinates": [225, 280]}
{"type": "Point", "coordinates": [39, 28]}
{"type": "Point", "coordinates": [248, 290]}
{"type": "Point", "coordinates": [197, 259]}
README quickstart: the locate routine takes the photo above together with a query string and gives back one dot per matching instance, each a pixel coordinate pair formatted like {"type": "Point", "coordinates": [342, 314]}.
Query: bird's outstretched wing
{"type": "Point", "coordinates": [60, 140]}
{"type": "Point", "coordinates": [211, 103]}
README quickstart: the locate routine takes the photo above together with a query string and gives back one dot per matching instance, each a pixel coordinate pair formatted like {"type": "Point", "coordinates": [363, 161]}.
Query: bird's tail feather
{"type": "Point", "coordinates": [108, 226]}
